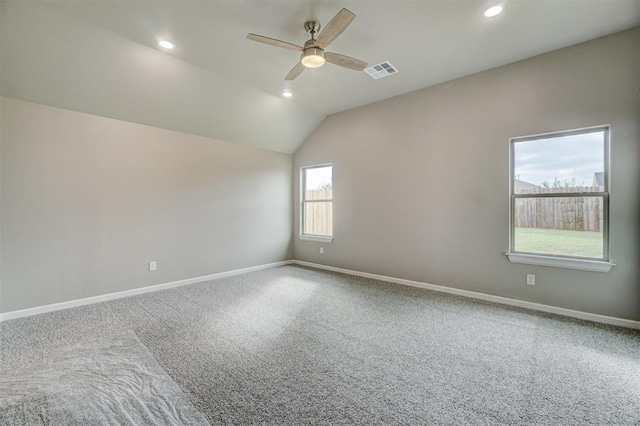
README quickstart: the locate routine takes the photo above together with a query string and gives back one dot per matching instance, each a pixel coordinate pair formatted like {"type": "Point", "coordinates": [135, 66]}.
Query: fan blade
{"type": "Point", "coordinates": [345, 61]}
{"type": "Point", "coordinates": [334, 28]}
{"type": "Point", "coordinates": [273, 42]}
{"type": "Point", "coordinates": [295, 71]}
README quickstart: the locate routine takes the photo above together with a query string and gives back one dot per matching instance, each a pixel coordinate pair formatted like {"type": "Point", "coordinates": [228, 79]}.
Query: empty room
{"type": "Point", "coordinates": [314, 212]}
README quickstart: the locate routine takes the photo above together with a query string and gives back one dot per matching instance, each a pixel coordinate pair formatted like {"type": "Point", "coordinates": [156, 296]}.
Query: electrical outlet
{"type": "Point", "coordinates": [321, 250]}
{"type": "Point", "coordinates": [531, 279]}
{"type": "Point", "coordinates": [152, 266]}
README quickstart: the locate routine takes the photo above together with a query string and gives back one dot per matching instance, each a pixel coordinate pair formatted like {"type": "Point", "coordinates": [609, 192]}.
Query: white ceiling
{"type": "Point", "coordinates": [428, 41]}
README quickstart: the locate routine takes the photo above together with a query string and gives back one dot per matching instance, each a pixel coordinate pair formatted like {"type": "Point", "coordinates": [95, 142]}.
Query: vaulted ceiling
{"type": "Point", "coordinates": [102, 57]}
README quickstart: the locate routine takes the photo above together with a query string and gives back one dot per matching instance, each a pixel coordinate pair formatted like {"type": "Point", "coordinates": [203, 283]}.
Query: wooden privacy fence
{"type": "Point", "coordinates": [318, 214]}
{"type": "Point", "coordinates": [583, 213]}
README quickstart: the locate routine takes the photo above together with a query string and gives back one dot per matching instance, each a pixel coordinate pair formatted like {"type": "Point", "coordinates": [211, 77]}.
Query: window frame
{"type": "Point", "coordinates": [603, 264]}
{"type": "Point", "coordinates": [303, 202]}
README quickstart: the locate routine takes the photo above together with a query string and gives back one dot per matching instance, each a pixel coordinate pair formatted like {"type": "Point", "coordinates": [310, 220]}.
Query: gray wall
{"type": "Point", "coordinates": [88, 201]}
{"type": "Point", "coordinates": [421, 180]}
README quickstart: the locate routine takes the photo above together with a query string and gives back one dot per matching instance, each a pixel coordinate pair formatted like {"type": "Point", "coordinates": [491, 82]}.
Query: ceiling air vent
{"type": "Point", "coordinates": [380, 70]}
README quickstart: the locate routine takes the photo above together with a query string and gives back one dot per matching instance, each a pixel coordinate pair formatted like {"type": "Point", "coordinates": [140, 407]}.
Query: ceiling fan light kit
{"type": "Point", "coordinates": [313, 57]}
{"type": "Point", "coordinates": [313, 54]}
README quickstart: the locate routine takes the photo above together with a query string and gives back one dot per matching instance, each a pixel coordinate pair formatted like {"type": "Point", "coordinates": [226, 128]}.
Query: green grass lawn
{"type": "Point", "coordinates": [555, 241]}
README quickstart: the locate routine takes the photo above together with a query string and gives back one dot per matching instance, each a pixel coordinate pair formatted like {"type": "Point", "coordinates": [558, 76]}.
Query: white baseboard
{"type": "Point", "coordinates": [149, 289]}
{"type": "Point", "coordinates": [482, 296]}
{"type": "Point", "coordinates": [466, 293]}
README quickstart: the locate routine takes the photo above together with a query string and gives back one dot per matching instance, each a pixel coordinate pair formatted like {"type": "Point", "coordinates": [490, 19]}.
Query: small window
{"type": "Point", "coordinates": [316, 222]}
{"type": "Point", "coordinates": [560, 198]}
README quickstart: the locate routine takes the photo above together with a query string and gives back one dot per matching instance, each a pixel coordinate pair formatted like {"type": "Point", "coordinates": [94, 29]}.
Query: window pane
{"type": "Point", "coordinates": [572, 163]}
{"type": "Point", "coordinates": [567, 226]}
{"type": "Point", "coordinates": [318, 183]}
{"type": "Point", "coordinates": [317, 220]}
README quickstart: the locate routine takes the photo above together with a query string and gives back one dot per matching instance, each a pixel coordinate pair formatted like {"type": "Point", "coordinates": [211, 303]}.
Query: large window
{"type": "Point", "coordinates": [316, 218]}
{"type": "Point", "coordinates": [560, 199]}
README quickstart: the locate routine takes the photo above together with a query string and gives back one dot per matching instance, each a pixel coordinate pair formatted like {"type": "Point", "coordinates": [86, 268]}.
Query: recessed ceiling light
{"type": "Point", "coordinates": [493, 10]}
{"type": "Point", "coordinates": [287, 94]}
{"type": "Point", "coordinates": [166, 44]}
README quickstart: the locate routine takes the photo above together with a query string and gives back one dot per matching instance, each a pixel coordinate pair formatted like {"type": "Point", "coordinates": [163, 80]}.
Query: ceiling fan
{"type": "Point", "coordinates": [313, 54]}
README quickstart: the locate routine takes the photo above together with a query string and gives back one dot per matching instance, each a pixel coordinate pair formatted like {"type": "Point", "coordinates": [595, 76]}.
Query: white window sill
{"type": "Point", "coordinates": [316, 238]}
{"type": "Point", "coordinates": [561, 262]}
